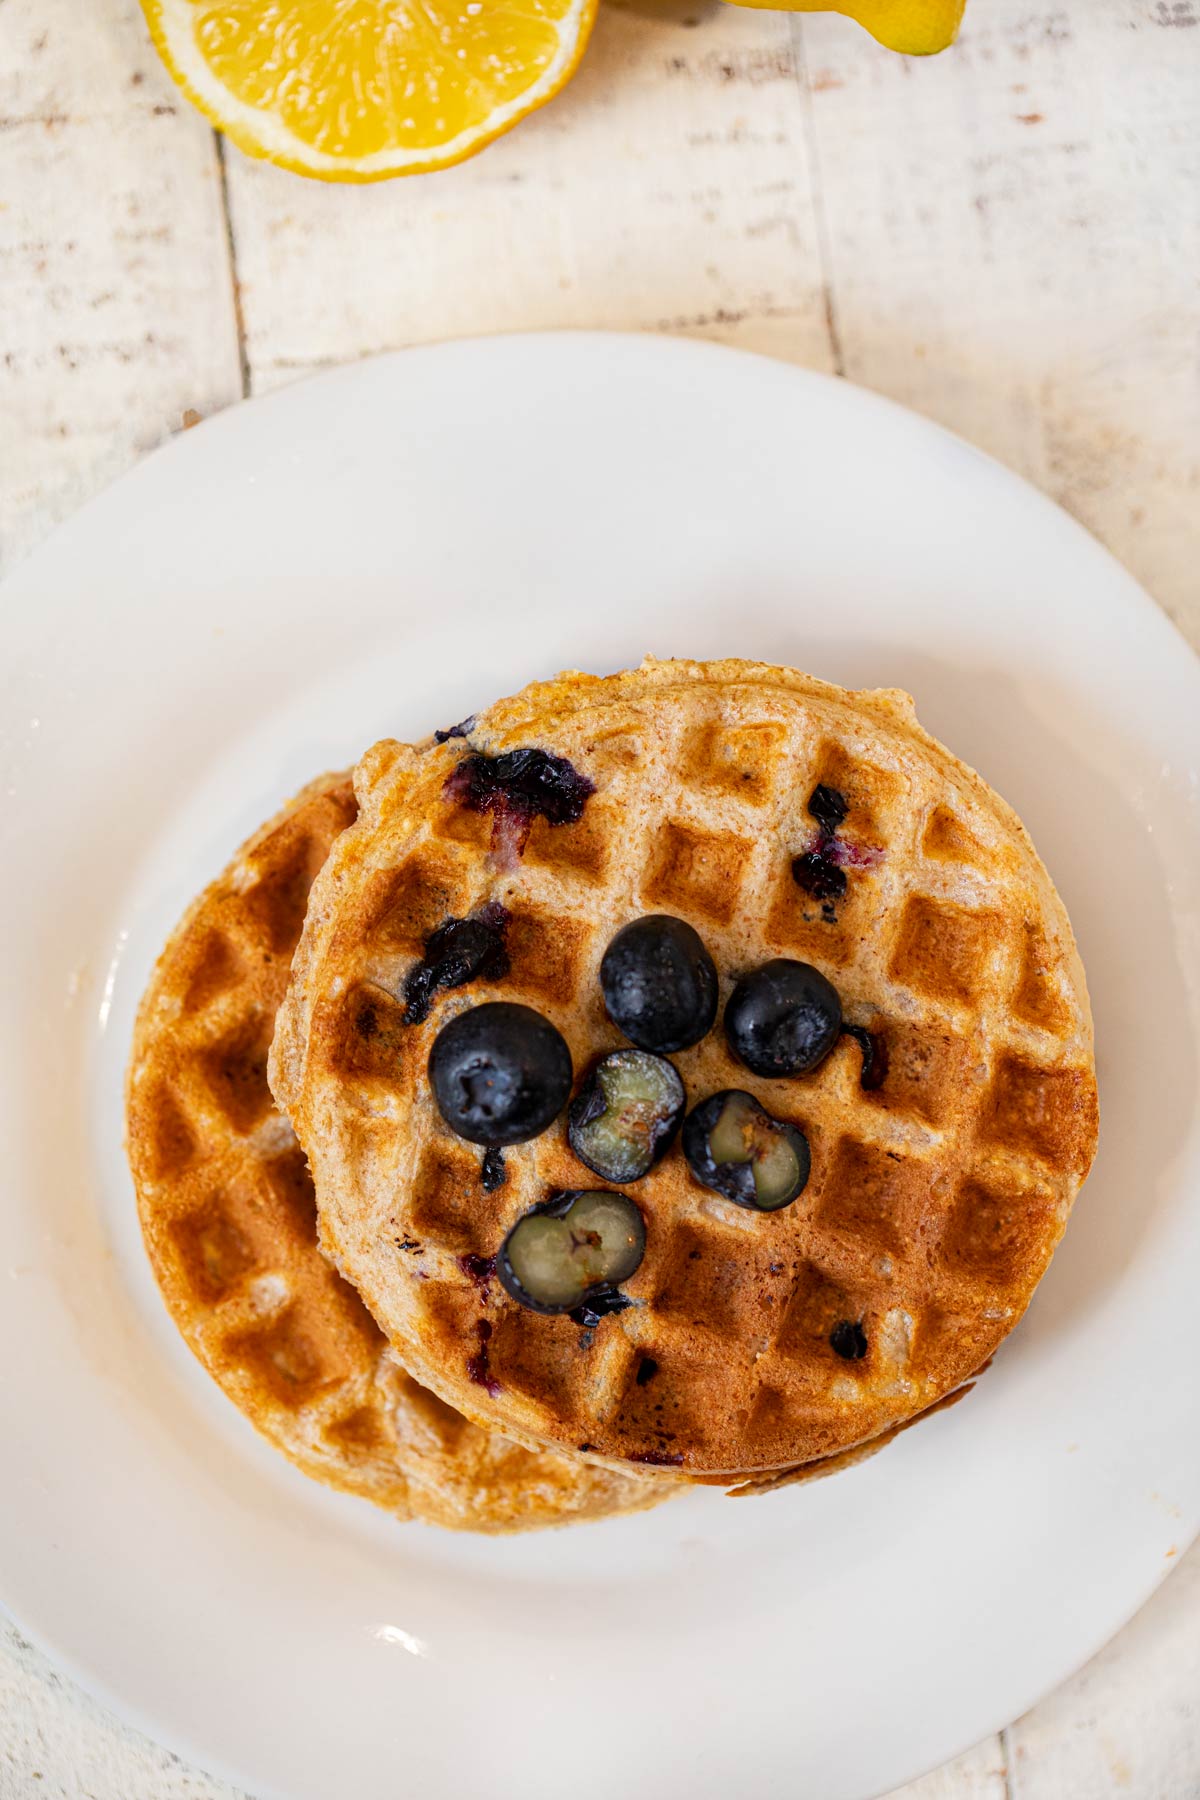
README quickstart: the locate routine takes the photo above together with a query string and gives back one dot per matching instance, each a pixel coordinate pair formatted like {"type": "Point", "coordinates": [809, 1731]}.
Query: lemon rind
{"type": "Point", "coordinates": [262, 134]}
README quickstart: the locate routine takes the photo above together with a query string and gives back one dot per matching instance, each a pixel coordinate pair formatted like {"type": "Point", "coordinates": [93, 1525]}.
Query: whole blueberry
{"type": "Point", "coordinates": [783, 1018]}
{"type": "Point", "coordinates": [501, 1073]}
{"type": "Point", "coordinates": [659, 984]}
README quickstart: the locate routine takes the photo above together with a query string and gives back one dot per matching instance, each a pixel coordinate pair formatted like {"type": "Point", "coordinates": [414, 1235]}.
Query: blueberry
{"type": "Point", "coordinates": [734, 1146]}
{"type": "Point", "coordinates": [597, 1304]}
{"type": "Point", "coordinates": [817, 875]}
{"type": "Point", "coordinates": [827, 807]}
{"type": "Point", "coordinates": [571, 1251]}
{"type": "Point", "coordinates": [518, 787]}
{"type": "Point", "coordinates": [527, 781]}
{"type": "Point", "coordinates": [460, 950]}
{"type": "Point", "coordinates": [492, 1172]}
{"type": "Point", "coordinates": [874, 1055]}
{"type": "Point", "coordinates": [848, 1340]}
{"type": "Point", "coordinates": [500, 1072]}
{"type": "Point", "coordinates": [659, 984]}
{"type": "Point", "coordinates": [626, 1114]}
{"type": "Point", "coordinates": [818, 872]}
{"type": "Point", "coordinates": [463, 729]}
{"type": "Point", "coordinates": [783, 1018]}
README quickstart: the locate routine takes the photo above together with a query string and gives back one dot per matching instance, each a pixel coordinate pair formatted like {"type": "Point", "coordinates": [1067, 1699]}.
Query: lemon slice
{"type": "Point", "coordinates": [918, 27]}
{"type": "Point", "coordinates": [358, 90]}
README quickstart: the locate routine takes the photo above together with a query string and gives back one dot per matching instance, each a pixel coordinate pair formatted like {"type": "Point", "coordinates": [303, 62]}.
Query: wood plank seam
{"type": "Point", "coordinates": [235, 284]}
{"type": "Point", "coordinates": [817, 196]}
{"type": "Point", "coordinates": [1006, 1764]}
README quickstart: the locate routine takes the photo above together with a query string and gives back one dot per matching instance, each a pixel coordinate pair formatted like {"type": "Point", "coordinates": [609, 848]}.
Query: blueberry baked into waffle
{"type": "Point", "coordinates": [695, 1067]}
{"type": "Point", "coordinates": [229, 1219]}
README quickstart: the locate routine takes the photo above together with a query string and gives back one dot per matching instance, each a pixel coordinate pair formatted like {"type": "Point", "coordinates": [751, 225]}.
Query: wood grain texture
{"type": "Point", "coordinates": [1129, 1723]}
{"type": "Point", "coordinates": [58, 1744]}
{"type": "Point", "coordinates": [667, 189]}
{"type": "Point", "coordinates": [115, 297]}
{"type": "Point", "coordinates": [1014, 243]}
{"type": "Point", "coordinates": [1006, 238]}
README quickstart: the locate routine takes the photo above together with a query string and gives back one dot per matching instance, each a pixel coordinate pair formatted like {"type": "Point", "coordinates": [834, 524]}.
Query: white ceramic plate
{"type": "Point", "coordinates": [383, 550]}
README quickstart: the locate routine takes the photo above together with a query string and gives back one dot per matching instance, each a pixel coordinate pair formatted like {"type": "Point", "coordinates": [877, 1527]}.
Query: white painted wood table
{"type": "Point", "coordinates": [1006, 238]}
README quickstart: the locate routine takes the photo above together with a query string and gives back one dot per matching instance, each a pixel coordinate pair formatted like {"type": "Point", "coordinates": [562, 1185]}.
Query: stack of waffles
{"type": "Point", "coordinates": [327, 1243]}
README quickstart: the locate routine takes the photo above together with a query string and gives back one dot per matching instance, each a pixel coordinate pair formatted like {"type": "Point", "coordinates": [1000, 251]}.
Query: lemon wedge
{"type": "Point", "coordinates": [917, 27]}
{"type": "Point", "coordinates": [359, 90]}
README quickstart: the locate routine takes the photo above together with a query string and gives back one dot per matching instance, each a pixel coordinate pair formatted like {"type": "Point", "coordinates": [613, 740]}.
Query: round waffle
{"type": "Point", "coordinates": [935, 1200]}
{"type": "Point", "coordinates": [229, 1218]}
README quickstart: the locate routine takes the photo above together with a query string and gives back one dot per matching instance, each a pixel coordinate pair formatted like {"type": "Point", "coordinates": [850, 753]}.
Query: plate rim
{"type": "Point", "coordinates": [89, 1679]}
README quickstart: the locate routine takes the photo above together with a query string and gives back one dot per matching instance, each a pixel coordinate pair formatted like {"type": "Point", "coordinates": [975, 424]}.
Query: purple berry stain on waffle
{"type": "Point", "coordinates": [821, 871]}
{"type": "Point", "coordinates": [478, 1269]}
{"type": "Point", "coordinates": [518, 787]}
{"type": "Point", "coordinates": [460, 950]}
{"type": "Point", "coordinates": [477, 1365]}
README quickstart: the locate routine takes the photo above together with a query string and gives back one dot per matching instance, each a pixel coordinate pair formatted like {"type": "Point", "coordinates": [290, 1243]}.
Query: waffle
{"type": "Point", "coordinates": [935, 1201]}
{"type": "Point", "coordinates": [229, 1218]}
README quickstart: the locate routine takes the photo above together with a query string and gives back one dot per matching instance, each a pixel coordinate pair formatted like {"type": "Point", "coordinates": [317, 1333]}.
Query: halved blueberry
{"type": "Point", "coordinates": [626, 1114]}
{"type": "Point", "coordinates": [734, 1146]}
{"type": "Point", "coordinates": [783, 1018]}
{"type": "Point", "coordinates": [659, 983]}
{"type": "Point", "coordinates": [573, 1247]}
{"type": "Point", "coordinates": [501, 1073]}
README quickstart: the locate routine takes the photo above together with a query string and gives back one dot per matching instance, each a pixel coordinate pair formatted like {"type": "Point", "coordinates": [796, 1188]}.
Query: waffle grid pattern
{"type": "Point", "coordinates": [229, 1217]}
{"type": "Point", "coordinates": [935, 1202]}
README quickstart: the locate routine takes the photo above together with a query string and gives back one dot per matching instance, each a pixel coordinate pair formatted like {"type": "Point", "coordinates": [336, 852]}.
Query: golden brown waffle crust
{"type": "Point", "coordinates": [229, 1220]}
{"type": "Point", "coordinates": [934, 1205]}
